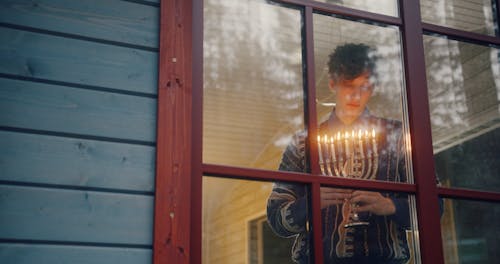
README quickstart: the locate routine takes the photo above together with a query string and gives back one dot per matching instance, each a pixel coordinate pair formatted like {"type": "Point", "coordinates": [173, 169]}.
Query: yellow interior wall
{"type": "Point", "coordinates": [230, 205]}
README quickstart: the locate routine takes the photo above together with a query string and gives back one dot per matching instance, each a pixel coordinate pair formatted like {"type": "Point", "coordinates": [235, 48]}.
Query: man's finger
{"type": "Point", "coordinates": [362, 208]}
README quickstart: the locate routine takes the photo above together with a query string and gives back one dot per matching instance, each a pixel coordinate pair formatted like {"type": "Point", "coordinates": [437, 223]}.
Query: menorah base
{"type": "Point", "coordinates": [357, 224]}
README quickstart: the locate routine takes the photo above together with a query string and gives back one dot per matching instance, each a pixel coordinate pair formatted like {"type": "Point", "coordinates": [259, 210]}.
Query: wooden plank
{"type": "Point", "coordinates": [32, 105]}
{"type": "Point", "coordinates": [81, 62]}
{"type": "Point", "coordinates": [72, 215]}
{"type": "Point", "coordinates": [76, 162]}
{"type": "Point", "coordinates": [52, 254]}
{"type": "Point", "coordinates": [174, 163]}
{"type": "Point", "coordinates": [113, 20]}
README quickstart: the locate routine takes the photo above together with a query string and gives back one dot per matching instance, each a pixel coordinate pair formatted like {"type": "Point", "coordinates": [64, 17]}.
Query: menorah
{"type": "Point", "coordinates": [350, 155]}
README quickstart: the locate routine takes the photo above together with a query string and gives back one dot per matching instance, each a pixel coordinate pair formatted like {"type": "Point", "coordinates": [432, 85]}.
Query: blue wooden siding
{"type": "Point", "coordinates": [60, 254]}
{"type": "Point", "coordinates": [53, 58]}
{"type": "Point", "coordinates": [138, 25]}
{"type": "Point", "coordinates": [33, 158]}
{"type": "Point", "coordinates": [78, 83]}
{"type": "Point", "coordinates": [32, 105]}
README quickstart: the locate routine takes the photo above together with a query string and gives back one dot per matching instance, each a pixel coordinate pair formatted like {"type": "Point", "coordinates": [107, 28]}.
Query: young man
{"type": "Point", "coordinates": [383, 240]}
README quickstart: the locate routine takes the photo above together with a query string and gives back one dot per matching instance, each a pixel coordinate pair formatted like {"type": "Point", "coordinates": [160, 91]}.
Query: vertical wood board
{"type": "Point", "coordinates": [113, 20]}
{"type": "Point", "coordinates": [174, 143]}
{"type": "Point", "coordinates": [53, 58]}
{"type": "Point", "coordinates": [72, 215]}
{"type": "Point", "coordinates": [45, 159]}
{"type": "Point", "coordinates": [32, 105]}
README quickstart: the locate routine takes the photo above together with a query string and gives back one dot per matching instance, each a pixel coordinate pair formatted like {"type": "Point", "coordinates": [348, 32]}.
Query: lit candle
{"type": "Point", "coordinates": [353, 141]}
{"type": "Point", "coordinates": [332, 146]}
{"type": "Point", "coordinates": [346, 140]}
{"type": "Point", "coordinates": [360, 139]}
{"type": "Point", "coordinates": [319, 150]}
{"type": "Point", "coordinates": [374, 141]}
{"type": "Point", "coordinates": [339, 144]}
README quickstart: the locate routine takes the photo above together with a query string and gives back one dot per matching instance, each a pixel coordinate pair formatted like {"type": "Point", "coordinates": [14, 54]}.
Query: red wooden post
{"type": "Point", "coordinates": [173, 163]}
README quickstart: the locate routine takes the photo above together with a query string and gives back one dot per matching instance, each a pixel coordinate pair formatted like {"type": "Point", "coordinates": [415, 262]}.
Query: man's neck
{"type": "Point", "coordinates": [344, 118]}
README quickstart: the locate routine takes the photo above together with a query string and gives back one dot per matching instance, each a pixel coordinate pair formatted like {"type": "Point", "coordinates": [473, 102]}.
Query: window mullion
{"type": "Point", "coordinates": [419, 119]}
{"type": "Point", "coordinates": [312, 127]}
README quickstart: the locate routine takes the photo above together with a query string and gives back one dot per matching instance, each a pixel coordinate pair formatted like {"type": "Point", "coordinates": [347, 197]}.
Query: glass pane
{"type": "Point", "coordinates": [464, 92]}
{"type": "Point", "coordinates": [368, 227]}
{"type": "Point", "coordinates": [359, 84]}
{"type": "Point", "coordinates": [470, 231]}
{"type": "Point", "coordinates": [469, 15]}
{"type": "Point", "coordinates": [252, 222]}
{"type": "Point", "coordinates": [384, 7]}
{"type": "Point", "coordinates": [253, 87]}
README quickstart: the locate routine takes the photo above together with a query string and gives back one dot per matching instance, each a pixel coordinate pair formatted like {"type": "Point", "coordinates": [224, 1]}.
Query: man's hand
{"type": "Point", "coordinates": [334, 196]}
{"type": "Point", "coordinates": [372, 202]}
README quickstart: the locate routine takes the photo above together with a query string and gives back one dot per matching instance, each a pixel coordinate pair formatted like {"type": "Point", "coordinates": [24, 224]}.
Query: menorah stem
{"type": "Point", "coordinates": [375, 155]}
{"type": "Point", "coordinates": [361, 157]}
{"type": "Point", "coordinates": [375, 166]}
{"type": "Point", "coordinates": [322, 166]}
{"type": "Point", "coordinates": [336, 168]}
{"type": "Point", "coordinates": [328, 166]}
{"type": "Point", "coordinates": [342, 167]}
{"type": "Point", "coordinates": [369, 169]}
{"type": "Point", "coordinates": [351, 163]}
{"type": "Point", "coordinates": [334, 157]}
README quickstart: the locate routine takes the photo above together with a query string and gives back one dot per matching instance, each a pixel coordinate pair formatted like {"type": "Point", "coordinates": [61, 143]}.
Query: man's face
{"type": "Point", "coordinates": [352, 96]}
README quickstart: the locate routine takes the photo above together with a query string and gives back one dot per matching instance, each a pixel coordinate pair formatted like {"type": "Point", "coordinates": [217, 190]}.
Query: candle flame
{"type": "Point", "coordinates": [331, 139]}
{"type": "Point", "coordinates": [346, 135]}
{"type": "Point", "coordinates": [338, 135]}
{"type": "Point", "coordinates": [359, 134]}
{"type": "Point", "coordinates": [373, 132]}
{"type": "Point", "coordinates": [326, 138]}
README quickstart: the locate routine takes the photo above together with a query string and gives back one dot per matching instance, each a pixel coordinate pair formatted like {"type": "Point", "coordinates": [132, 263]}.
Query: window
{"type": "Point", "coordinates": [262, 77]}
{"type": "Point", "coordinates": [265, 247]}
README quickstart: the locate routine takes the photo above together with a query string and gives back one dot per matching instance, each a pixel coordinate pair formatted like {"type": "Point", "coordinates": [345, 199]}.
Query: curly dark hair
{"type": "Point", "coordinates": [350, 60]}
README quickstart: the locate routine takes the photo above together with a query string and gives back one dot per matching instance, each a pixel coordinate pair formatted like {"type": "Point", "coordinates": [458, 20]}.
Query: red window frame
{"type": "Point", "coordinates": [179, 167]}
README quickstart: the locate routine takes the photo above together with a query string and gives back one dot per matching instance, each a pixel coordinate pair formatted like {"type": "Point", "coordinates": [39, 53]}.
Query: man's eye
{"type": "Point", "coordinates": [365, 87]}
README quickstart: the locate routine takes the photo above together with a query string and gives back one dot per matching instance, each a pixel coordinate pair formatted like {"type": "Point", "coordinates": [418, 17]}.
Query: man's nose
{"type": "Point", "coordinates": [356, 94]}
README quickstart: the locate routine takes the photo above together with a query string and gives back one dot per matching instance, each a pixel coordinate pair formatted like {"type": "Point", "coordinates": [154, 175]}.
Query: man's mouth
{"type": "Point", "coordinates": [353, 104]}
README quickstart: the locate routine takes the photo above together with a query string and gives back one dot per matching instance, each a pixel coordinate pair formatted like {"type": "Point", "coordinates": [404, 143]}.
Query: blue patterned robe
{"type": "Point", "coordinates": [383, 241]}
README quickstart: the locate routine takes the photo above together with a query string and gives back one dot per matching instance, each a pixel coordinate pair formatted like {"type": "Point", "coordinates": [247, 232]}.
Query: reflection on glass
{"type": "Point", "coordinates": [367, 227]}
{"type": "Point", "coordinates": [470, 231]}
{"type": "Point", "coordinates": [236, 227]}
{"type": "Point", "coordinates": [353, 142]}
{"type": "Point", "coordinates": [359, 85]}
{"type": "Point", "coordinates": [253, 87]}
{"type": "Point", "coordinates": [464, 93]}
{"type": "Point", "coordinates": [469, 15]}
{"type": "Point", "coordinates": [384, 7]}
